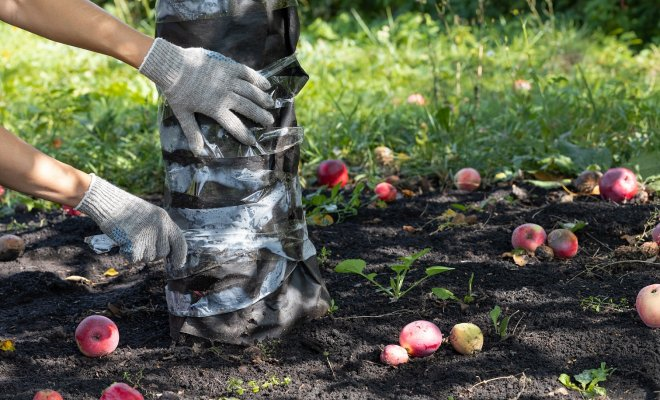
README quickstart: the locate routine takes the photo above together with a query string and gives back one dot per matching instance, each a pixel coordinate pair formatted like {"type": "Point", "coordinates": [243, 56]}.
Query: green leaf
{"type": "Point", "coordinates": [548, 184]}
{"type": "Point", "coordinates": [443, 294]}
{"type": "Point", "coordinates": [566, 381]}
{"type": "Point", "coordinates": [495, 314]}
{"type": "Point", "coordinates": [399, 268]}
{"type": "Point", "coordinates": [371, 276]}
{"type": "Point", "coordinates": [435, 270]}
{"type": "Point", "coordinates": [459, 207]}
{"type": "Point", "coordinates": [585, 377]}
{"type": "Point", "coordinates": [351, 266]}
{"type": "Point", "coordinates": [504, 325]}
{"type": "Point", "coordinates": [574, 226]}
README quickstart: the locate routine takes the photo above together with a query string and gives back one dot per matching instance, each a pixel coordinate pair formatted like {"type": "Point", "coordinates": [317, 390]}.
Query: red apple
{"type": "Point", "coordinates": [467, 179]}
{"type": "Point", "coordinates": [528, 237]}
{"type": "Point", "coordinates": [332, 173]}
{"type": "Point", "coordinates": [120, 391]}
{"type": "Point", "coordinates": [563, 242]}
{"type": "Point", "coordinates": [420, 338]}
{"type": "Point", "coordinates": [70, 211]}
{"type": "Point", "coordinates": [393, 354]}
{"type": "Point", "coordinates": [656, 234]}
{"type": "Point", "coordinates": [618, 184]}
{"type": "Point", "coordinates": [2, 190]}
{"type": "Point", "coordinates": [97, 336]}
{"type": "Point", "coordinates": [385, 191]}
{"type": "Point", "coordinates": [648, 305]}
{"type": "Point", "coordinates": [47, 395]}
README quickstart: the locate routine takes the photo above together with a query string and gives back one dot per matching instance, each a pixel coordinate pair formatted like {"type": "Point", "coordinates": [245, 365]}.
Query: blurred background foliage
{"type": "Point", "coordinates": [539, 87]}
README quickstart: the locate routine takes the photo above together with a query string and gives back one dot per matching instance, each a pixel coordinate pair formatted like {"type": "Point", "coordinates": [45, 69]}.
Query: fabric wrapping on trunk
{"type": "Point", "coordinates": [251, 271]}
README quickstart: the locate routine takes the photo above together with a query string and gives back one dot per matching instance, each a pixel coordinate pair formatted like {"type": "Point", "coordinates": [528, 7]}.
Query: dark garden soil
{"type": "Point", "coordinates": [337, 357]}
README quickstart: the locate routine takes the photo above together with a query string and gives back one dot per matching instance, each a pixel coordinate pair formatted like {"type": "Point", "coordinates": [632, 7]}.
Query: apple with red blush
{"type": "Point", "coordinates": [528, 237]}
{"type": "Point", "coordinates": [120, 391]}
{"type": "Point", "coordinates": [647, 305]}
{"type": "Point", "coordinates": [618, 185]}
{"type": "Point", "coordinates": [47, 394]}
{"type": "Point", "coordinates": [563, 243]}
{"type": "Point", "coordinates": [386, 192]}
{"type": "Point", "coordinates": [332, 173]}
{"type": "Point", "coordinates": [467, 179]}
{"type": "Point", "coordinates": [97, 336]}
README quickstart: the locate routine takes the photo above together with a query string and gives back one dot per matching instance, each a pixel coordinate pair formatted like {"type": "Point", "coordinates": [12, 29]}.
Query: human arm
{"type": "Point", "coordinates": [78, 23]}
{"type": "Point", "coordinates": [143, 231]}
{"type": "Point", "coordinates": [193, 80]}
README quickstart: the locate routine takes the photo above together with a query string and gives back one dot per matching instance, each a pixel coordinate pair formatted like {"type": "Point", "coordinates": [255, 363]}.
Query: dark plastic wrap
{"type": "Point", "coordinates": [251, 269]}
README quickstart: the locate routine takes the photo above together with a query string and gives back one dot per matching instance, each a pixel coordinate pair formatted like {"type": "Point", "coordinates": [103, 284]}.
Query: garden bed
{"type": "Point", "coordinates": [555, 325]}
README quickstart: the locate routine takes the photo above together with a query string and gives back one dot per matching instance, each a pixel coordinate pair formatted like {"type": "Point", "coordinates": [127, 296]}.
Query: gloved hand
{"type": "Point", "coordinates": [206, 82]}
{"type": "Point", "coordinates": [143, 231]}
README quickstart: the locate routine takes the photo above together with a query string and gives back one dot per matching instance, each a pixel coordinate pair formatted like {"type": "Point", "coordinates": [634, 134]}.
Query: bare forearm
{"type": "Point", "coordinates": [27, 170]}
{"type": "Point", "coordinates": [78, 23]}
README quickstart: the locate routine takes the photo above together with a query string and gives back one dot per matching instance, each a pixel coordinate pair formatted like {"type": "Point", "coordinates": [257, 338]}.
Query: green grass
{"type": "Point", "coordinates": [593, 102]}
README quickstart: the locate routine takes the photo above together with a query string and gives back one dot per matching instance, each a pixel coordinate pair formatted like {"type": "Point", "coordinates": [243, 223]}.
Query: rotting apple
{"type": "Point", "coordinates": [97, 336]}
{"type": "Point", "coordinates": [563, 242]}
{"type": "Point", "coordinates": [120, 391]}
{"type": "Point", "coordinates": [385, 192]}
{"type": "Point", "coordinates": [332, 173]}
{"type": "Point", "coordinates": [420, 338]}
{"type": "Point", "coordinates": [11, 247]}
{"type": "Point", "coordinates": [47, 394]}
{"type": "Point", "coordinates": [393, 354]}
{"type": "Point", "coordinates": [655, 233]}
{"type": "Point", "coordinates": [648, 305]}
{"type": "Point", "coordinates": [467, 179]}
{"type": "Point", "coordinates": [466, 338]}
{"type": "Point", "coordinates": [618, 185]}
{"type": "Point", "coordinates": [528, 236]}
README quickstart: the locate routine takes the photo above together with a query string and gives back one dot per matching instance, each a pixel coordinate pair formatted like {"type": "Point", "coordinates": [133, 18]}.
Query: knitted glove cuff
{"type": "Point", "coordinates": [101, 200]}
{"type": "Point", "coordinates": [163, 63]}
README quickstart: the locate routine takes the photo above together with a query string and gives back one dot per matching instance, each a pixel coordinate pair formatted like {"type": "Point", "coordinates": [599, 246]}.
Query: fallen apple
{"type": "Point", "coordinates": [11, 247]}
{"type": "Point", "coordinates": [393, 354]}
{"type": "Point", "coordinates": [47, 394]}
{"type": "Point", "coordinates": [656, 234]}
{"type": "Point", "coordinates": [384, 155]}
{"type": "Point", "coordinates": [2, 190]}
{"type": "Point", "coordinates": [120, 391]}
{"type": "Point", "coordinates": [563, 242]}
{"type": "Point", "coordinates": [420, 338]}
{"type": "Point", "coordinates": [385, 192]}
{"type": "Point", "coordinates": [97, 336]}
{"type": "Point", "coordinates": [528, 236]}
{"type": "Point", "coordinates": [332, 173]}
{"type": "Point", "coordinates": [648, 305]}
{"type": "Point", "coordinates": [618, 185]}
{"type": "Point", "coordinates": [466, 338]}
{"type": "Point", "coordinates": [467, 179]}
{"type": "Point", "coordinates": [587, 181]}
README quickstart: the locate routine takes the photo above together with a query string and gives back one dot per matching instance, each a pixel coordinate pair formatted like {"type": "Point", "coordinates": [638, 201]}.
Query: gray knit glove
{"type": "Point", "coordinates": [143, 231]}
{"type": "Point", "coordinates": [198, 80]}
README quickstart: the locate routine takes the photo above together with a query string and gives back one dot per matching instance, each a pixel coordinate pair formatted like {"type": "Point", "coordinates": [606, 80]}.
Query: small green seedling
{"type": "Point", "coordinates": [446, 294]}
{"type": "Point", "coordinates": [501, 325]}
{"type": "Point", "coordinates": [324, 256]}
{"type": "Point", "coordinates": [319, 207]}
{"type": "Point", "coordinates": [604, 303]}
{"type": "Point", "coordinates": [395, 289]}
{"type": "Point", "coordinates": [236, 386]}
{"type": "Point", "coordinates": [333, 307]}
{"type": "Point", "coordinates": [588, 381]}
